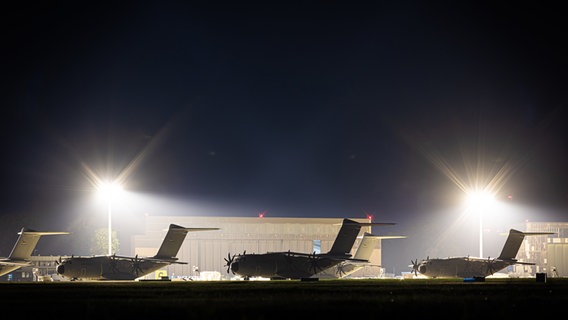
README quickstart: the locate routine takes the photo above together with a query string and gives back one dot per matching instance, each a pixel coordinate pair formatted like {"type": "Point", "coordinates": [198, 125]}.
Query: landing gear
{"type": "Point", "coordinates": [309, 279]}
{"type": "Point", "coordinates": [474, 279]}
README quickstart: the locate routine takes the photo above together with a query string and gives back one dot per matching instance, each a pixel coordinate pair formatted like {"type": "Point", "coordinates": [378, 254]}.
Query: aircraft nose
{"type": "Point", "coordinates": [60, 269]}
{"type": "Point", "coordinates": [235, 266]}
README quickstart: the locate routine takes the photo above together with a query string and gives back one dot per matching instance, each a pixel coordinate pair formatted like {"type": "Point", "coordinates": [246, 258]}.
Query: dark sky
{"type": "Point", "coordinates": [308, 109]}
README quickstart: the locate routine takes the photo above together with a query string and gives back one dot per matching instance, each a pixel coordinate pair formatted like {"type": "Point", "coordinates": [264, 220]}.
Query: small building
{"type": "Point", "coordinates": [549, 253]}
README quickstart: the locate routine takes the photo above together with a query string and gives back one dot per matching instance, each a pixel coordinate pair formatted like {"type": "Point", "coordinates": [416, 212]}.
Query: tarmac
{"type": "Point", "coordinates": [287, 299]}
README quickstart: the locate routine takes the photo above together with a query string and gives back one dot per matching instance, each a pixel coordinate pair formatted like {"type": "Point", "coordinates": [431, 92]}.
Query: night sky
{"type": "Point", "coordinates": [308, 109]}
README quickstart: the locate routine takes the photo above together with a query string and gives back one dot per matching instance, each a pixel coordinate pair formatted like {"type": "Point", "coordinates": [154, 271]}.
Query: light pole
{"type": "Point", "coordinates": [109, 226]}
{"type": "Point", "coordinates": [110, 190]}
{"type": "Point", "coordinates": [479, 202]}
{"type": "Point", "coordinates": [480, 213]}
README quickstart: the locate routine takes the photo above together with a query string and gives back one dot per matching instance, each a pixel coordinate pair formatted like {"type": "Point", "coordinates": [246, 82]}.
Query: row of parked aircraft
{"type": "Point", "coordinates": [336, 263]}
{"type": "Point", "coordinates": [274, 265]}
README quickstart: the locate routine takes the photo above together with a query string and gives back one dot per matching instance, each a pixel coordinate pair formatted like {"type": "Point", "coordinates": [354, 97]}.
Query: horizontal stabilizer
{"type": "Point", "coordinates": [538, 233]}
{"type": "Point", "coordinates": [390, 237]}
{"type": "Point", "coordinates": [175, 227]}
{"type": "Point", "coordinates": [201, 229]}
{"type": "Point", "coordinates": [43, 233]}
{"type": "Point", "coordinates": [366, 224]}
{"type": "Point", "coordinates": [372, 236]}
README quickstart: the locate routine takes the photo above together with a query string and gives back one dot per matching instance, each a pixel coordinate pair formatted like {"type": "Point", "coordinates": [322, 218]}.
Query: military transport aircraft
{"type": "Point", "coordinates": [22, 251]}
{"type": "Point", "coordinates": [475, 267]}
{"type": "Point", "coordinates": [295, 265]}
{"type": "Point", "coordinates": [364, 252]}
{"type": "Point", "coordinates": [115, 267]}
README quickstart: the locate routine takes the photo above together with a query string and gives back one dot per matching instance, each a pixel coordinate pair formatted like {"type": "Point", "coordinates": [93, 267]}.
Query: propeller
{"type": "Point", "coordinates": [136, 266]}
{"type": "Point", "coordinates": [490, 268]}
{"type": "Point", "coordinates": [113, 263]}
{"type": "Point", "coordinates": [415, 266]}
{"type": "Point", "coordinates": [229, 261]}
{"type": "Point", "coordinates": [314, 263]}
{"type": "Point", "coordinates": [341, 269]}
{"type": "Point", "coordinates": [58, 261]}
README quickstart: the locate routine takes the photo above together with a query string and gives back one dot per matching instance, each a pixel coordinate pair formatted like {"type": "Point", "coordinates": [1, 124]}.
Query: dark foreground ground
{"type": "Point", "coordinates": [347, 299]}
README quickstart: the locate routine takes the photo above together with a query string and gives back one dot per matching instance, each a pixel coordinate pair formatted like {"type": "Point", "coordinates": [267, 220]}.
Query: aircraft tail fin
{"type": "Point", "coordinates": [514, 241]}
{"type": "Point", "coordinates": [173, 241]}
{"type": "Point", "coordinates": [368, 244]}
{"type": "Point", "coordinates": [27, 242]}
{"type": "Point", "coordinates": [347, 235]}
{"type": "Point", "coordinates": [366, 247]}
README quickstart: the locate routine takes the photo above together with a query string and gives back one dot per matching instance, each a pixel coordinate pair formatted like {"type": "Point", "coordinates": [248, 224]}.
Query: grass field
{"type": "Point", "coordinates": [287, 299]}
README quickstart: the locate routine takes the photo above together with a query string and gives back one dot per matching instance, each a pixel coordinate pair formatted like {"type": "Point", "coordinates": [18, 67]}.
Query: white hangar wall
{"type": "Point", "coordinates": [207, 250]}
{"type": "Point", "coordinates": [549, 253]}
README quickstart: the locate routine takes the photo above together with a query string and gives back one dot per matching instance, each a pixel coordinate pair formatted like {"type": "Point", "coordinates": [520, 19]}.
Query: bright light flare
{"type": "Point", "coordinates": [480, 200]}
{"type": "Point", "coordinates": [110, 190]}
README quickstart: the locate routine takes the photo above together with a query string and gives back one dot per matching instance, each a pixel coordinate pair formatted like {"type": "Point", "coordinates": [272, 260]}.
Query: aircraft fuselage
{"type": "Point", "coordinates": [107, 268]}
{"type": "Point", "coordinates": [461, 267]}
{"type": "Point", "coordinates": [280, 265]}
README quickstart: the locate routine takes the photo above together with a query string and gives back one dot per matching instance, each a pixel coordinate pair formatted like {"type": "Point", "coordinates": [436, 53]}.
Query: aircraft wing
{"type": "Point", "coordinates": [345, 258]}
{"type": "Point", "coordinates": [164, 260]}
{"type": "Point", "coordinates": [296, 254]}
{"type": "Point", "coordinates": [525, 263]}
{"type": "Point", "coordinates": [322, 255]}
{"type": "Point", "coordinates": [129, 258]}
{"type": "Point", "coordinates": [354, 260]}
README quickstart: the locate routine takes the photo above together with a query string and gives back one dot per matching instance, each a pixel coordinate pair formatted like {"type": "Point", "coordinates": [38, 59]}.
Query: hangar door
{"type": "Point", "coordinates": [558, 258]}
